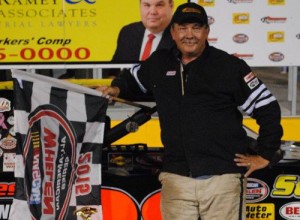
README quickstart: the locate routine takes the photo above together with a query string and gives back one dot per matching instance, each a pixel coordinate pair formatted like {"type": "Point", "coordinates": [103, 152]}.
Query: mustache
{"type": "Point", "coordinates": [189, 41]}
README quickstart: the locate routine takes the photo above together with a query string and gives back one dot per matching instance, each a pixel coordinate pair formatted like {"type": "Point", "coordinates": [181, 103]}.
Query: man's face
{"type": "Point", "coordinates": [190, 38]}
{"type": "Point", "coordinates": [156, 14]}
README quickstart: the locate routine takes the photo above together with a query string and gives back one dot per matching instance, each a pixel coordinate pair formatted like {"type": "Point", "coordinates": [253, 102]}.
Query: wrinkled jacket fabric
{"type": "Point", "coordinates": [199, 107]}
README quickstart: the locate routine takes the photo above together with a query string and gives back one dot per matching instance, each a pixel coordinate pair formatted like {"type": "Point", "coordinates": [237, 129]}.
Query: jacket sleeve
{"type": "Point", "coordinates": [258, 102]}
{"type": "Point", "coordinates": [133, 83]}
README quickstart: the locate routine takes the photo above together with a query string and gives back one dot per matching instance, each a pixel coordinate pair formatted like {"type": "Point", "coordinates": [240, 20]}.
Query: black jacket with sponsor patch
{"type": "Point", "coordinates": [201, 124]}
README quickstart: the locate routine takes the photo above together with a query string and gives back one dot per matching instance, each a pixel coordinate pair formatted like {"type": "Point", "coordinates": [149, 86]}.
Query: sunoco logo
{"type": "Point", "coordinates": [257, 190]}
{"type": "Point", "coordinates": [290, 211]}
{"type": "Point", "coordinates": [240, 38]}
{"type": "Point", "coordinates": [275, 36]}
{"type": "Point", "coordinates": [276, 2]}
{"type": "Point", "coordinates": [240, 18]}
{"type": "Point", "coordinates": [272, 20]}
{"type": "Point", "coordinates": [276, 57]}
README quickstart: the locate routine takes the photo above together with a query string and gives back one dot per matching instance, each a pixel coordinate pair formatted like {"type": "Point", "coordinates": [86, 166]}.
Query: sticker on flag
{"type": "Point", "coordinates": [59, 128]}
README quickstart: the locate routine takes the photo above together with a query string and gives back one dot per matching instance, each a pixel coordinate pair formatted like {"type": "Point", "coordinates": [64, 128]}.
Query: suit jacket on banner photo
{"type": "Point", "coordinates": [59, 129]}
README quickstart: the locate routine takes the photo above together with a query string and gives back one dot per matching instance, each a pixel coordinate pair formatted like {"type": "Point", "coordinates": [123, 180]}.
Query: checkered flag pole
{"type": "Point", "coordinates": [59, 128]}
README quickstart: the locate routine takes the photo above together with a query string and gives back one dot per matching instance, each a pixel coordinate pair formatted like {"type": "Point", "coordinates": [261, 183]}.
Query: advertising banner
{"type": "Point", "coordinates": [63, 31]}
{"type": "Point", "coordinates": [262, 32]}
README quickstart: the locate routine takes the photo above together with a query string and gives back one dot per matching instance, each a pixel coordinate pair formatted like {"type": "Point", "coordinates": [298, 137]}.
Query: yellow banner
{"type": "Point", "coordinates": [63, 31]}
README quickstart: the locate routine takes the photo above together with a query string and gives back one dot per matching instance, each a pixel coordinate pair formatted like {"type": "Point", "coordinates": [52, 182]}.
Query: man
{"type": "Point", "coordinates": [199, 91]}
{"type": "Point", "coordinates": [155, 19]}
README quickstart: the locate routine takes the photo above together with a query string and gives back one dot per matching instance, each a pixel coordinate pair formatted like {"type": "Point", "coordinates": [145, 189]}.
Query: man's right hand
{"type": "Point", "coordinates": [109, 92]}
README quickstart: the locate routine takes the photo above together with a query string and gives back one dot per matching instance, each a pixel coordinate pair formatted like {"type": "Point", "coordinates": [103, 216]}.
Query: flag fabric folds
{"type": "Point", "coordinates": [59, 128]}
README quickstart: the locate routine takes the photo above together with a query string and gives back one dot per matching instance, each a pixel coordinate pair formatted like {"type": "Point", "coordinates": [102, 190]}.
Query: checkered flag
{"type": "Point", "coordinates": [59, 128]}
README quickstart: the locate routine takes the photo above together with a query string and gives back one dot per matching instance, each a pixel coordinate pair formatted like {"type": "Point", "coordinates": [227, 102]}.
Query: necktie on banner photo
{"type": "Point", "coordinates": [148, 47]}
{"type": "Point", "coordinates": [59, 128]}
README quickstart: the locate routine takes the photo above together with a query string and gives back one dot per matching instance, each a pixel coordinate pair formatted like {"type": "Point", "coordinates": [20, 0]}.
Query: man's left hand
{"type": "Point", "coordinates": [251, 162]}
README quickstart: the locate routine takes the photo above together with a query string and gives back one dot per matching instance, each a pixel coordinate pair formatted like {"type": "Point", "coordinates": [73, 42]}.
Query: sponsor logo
{"type": "Point", "coordinates": [240, 1]}
{"type": "Point", "coordinates": [276, 2]}
{"type": "Point", "coordinates": [4, 105]}
{"type": "Point", "coordinates": [260, 211]}
{"type": "Point", "coordinates": [211, 20]}
{"type": "Point", "coordinates": [171, 73]}
{"type": "Point", "coordinates": [275, 36]}
{"type": "Point", "coordinates": [240, 18]}
{"type": "Point", "coordinates": [9, 162]}
{"type": "Point", "coordinates": [290, 211]}
{"type": "Point", "coordinates": [50, 149]}
{"type": "Point", "coordinates": [191, 10]}
{"type": "Point", "coordinates": [212, 40]}
{"type": "Point", "coordinates": [286, 186]}
{"type": "Point", "coordinates": [7, 190]}
{"type": "Point", "coordinates": [249, 77]}
{"type": "Point", "coordinates": [8, 143]}
{"type": "Point", "coordinates": [257, 190]}
{"type": "Point", "coordinates": [272, 20]}
{"type": "Point", "coordinates": [276, 57]}
{"type": "Point", "coordinates": [35, 197]}
{"type": "Point", "coordinates": [208, 3]}
{"type": "Point", "coordinates": [72, 2]}
{"type": "Point", "coordinates": [252, 84]}
{"type": "Point", "coordinates": [298, 36]}
{"type": "Point", "coordinates": [240, 38]}
{"type": "Point", "coordinates": [243, 56]}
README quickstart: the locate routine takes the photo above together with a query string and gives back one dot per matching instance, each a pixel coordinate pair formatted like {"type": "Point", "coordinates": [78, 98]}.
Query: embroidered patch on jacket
{"type": "Point", "coordinates": [171, 73]}
{"type": "Point", "coordinates": [252, 84]}
{"type": "Point", "coordinates": [249, 77]}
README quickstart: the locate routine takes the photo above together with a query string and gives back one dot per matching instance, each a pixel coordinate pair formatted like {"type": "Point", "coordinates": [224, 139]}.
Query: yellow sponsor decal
{"type": "Point", "coordinates": [286, 186]}
{"type": "Point", "coordinates": [276, 2]}
{"type": "Point", "coordinates": [262, 211]}
{"type": "Point", "coordinates": [207, 3]}
{"type": "Point", "coordinates": [275, 36]}
{"type": "Point", "coordinates": [240, 18]}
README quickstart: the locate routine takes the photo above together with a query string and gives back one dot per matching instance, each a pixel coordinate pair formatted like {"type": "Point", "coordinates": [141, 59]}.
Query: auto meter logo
{"type": "Point", "coordinates": [256, 191]}
{"type": "Point", "coordinates": [275, 36]}
{"type": "Point", "coordinates": [240, 38]}
{"type": "Point", "coordinates": [240, 18]}
{"type": "Point", "coordinates": [49, 152]}
{"type": "Point", "coordinates": [290, 211]}
{"type": "Point", "coordinates": [211, 20]}
{"type": "Point", "coordinates": [276, 57]}
{"type": "Point", "coordinates": [273, 20]}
